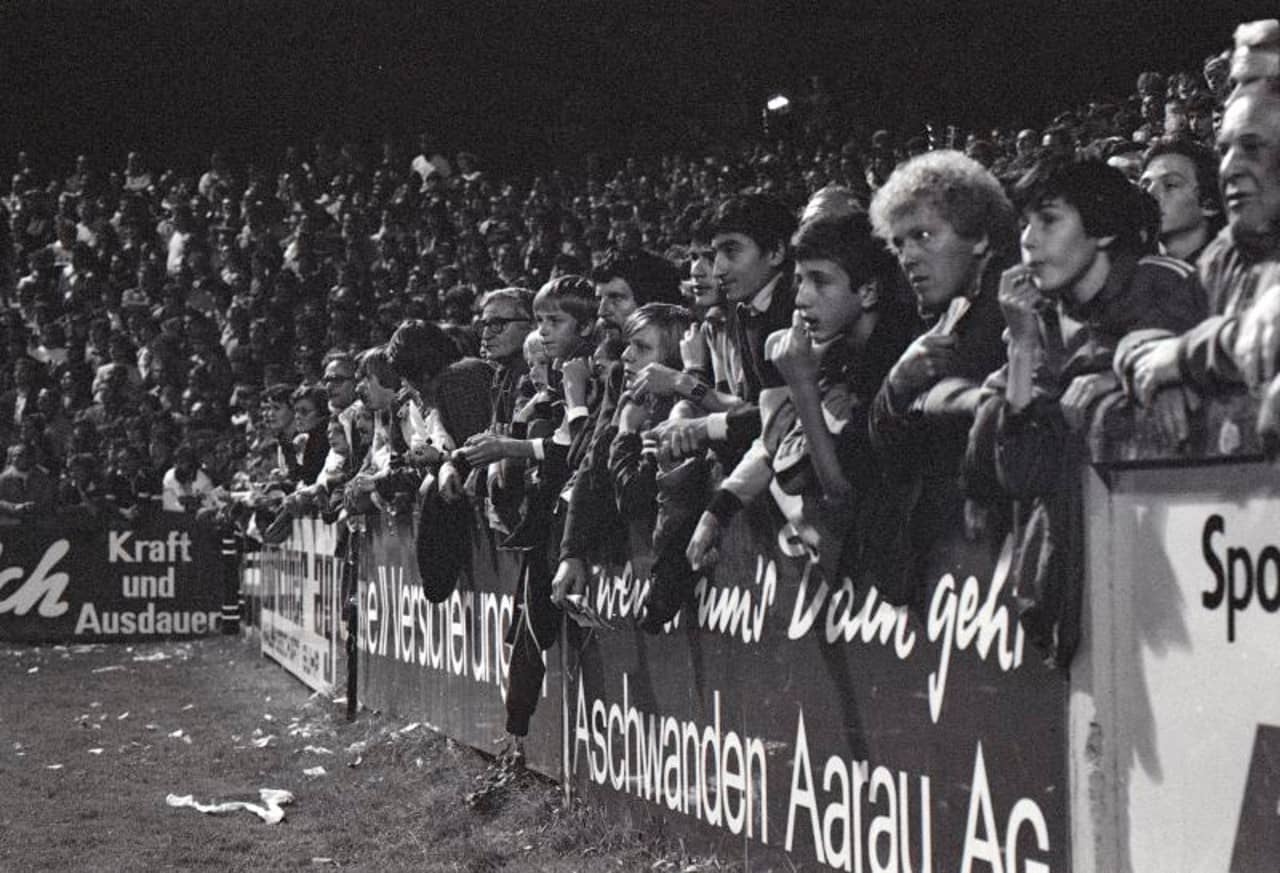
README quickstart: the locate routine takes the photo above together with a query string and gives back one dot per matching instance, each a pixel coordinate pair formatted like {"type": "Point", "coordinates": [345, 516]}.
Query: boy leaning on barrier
{"type": "Point", "coordinates": [1086, 279]}
{"type": "Point", "coordinates": [814, 455]}
{"type": "Point", "coordinates": [650, 495]}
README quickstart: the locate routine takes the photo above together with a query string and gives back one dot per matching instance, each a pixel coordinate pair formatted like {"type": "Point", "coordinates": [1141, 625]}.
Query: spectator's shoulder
{"type": "Point", "coordinates": [1164, 267]}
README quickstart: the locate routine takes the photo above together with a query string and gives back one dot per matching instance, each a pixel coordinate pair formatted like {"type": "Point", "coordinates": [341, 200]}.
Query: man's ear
{"type": "Point", "coordinates": [869, 294]}
{"type": "Point", "coordinates": [586, 328]}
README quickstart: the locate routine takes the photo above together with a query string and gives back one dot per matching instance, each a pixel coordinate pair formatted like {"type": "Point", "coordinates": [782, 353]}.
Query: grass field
{"type": "Point", "coordinates": [94, 738]}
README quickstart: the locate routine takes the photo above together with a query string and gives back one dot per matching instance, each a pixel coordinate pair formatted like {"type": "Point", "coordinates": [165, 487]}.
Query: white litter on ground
{"type": "Point", "coordinates": [271, 811]}
{"type": "Point", "coordinates": [314, 772]}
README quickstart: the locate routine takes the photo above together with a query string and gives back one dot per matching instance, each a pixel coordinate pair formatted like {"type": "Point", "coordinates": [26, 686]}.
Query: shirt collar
{"type": "Point", "coordinates": [764, 297]}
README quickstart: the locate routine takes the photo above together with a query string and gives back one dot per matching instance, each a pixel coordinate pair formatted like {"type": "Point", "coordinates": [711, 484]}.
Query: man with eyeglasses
{"type": "Point", "coordinates": [506, 317]}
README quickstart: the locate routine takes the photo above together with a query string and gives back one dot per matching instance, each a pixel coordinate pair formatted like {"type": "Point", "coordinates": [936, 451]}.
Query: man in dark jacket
{"type": "Point", "coordinates": [953, 230]}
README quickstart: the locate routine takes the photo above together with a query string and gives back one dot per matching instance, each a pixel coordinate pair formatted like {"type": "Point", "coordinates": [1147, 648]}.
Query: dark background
{"type": "Point", "coordinates": [524, 84]}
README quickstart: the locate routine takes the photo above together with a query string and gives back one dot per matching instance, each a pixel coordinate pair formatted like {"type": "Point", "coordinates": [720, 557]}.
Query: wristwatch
{"type": "Point", "coordinates": [698, 391]}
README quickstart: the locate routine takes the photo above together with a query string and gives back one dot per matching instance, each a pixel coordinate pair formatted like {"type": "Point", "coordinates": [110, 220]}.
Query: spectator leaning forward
{"type": "Point", "coordinates": [1086, 279]}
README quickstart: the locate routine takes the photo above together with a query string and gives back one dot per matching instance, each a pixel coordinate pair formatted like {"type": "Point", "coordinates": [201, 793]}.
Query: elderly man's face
{"type": "Point", "coordinates": [1249, 143]}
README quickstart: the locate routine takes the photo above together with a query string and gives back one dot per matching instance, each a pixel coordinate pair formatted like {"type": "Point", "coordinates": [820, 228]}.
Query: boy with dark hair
{"type": "Point", "coordinates": [1084, 282]}
{"type": "Point", "coordinates": [751, 236]}
{"type": "Point", "coordinates": [814, 454]}
{"type": "Point", "coordinates": [1182, 176]}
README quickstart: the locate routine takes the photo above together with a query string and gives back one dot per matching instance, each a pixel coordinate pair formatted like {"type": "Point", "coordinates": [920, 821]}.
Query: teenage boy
{"type": "Point", "coordinates": [1085, 281]}
{"type": "Point", "coordinates": [814, 454]}
{"type": "Point", "coordinates": [752, 234]}
{"type": "Point", "coordinates": [1182, 176]}
{"type": "Point", "coordinates": [649, 495]}
{"type": "Point", "coordinates": [709, 358]}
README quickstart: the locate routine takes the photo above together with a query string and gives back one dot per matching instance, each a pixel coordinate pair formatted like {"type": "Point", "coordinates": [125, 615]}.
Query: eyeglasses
{"type": "Point", "coordinates": [333, 380]}
{"type": "Point", "coordinates": [498, 325]}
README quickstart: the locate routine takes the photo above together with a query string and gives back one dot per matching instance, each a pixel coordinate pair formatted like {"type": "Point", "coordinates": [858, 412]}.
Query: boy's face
{"type": "Point", "coordinates": [375, 395]}
{"type": "Point", "coordinates": [1171, 179]}
{"type": "Point", "coordinates": [742, 268]}
{"type": "Point", "coordinates": [561, 334]}
{"type": "Point", "coordinates": [338, 439]}
{"type": "Point", "coordinates": [1057, 249]}
{"type": "Point", "coordinates": [938, 262]}
{"type": "Point", "coordinates": [644, 347]}
{"type": "Point", "coordinates": [702, 261]}
{"type": "Point", "coordinates": [825, 302]}
{"type": "Point", "coordinates": [278, 415]}
{"type": "Point", "coordinates": [617, 302]}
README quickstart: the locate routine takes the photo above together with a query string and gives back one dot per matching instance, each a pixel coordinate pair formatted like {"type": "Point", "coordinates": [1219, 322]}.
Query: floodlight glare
{"type": "Point", "coordinates": [777, 103]}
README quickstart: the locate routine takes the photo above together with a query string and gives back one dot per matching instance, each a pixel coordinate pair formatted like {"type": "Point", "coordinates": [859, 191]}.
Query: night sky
{"type": "Point", "coordinates": [524, 84]}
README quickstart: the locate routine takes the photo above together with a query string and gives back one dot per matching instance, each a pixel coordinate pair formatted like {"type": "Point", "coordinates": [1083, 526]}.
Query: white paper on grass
{"type": "Point", "coordinates": [271, 811]}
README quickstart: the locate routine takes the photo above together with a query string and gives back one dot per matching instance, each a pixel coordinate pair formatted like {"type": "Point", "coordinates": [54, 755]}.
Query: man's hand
{"type": "Point", "coordinates": [929, 358]}
{"type": "Point", "coordinates": [1258, 340]}
{"type": "Point", "coordinates": [577, 377]}
{"type": "Point", "coordinates": [791, 351]}
{"type": "Point", "coordinates": [1155, 367]}
{"type": "Point", "coordinates": [704, 546]}
{"type": "Point", "coordinates": [680, 438]}
{"type": "Point", "coordinates": [570, 578]}
{"type": "Point", "coordinates": [485, 448]}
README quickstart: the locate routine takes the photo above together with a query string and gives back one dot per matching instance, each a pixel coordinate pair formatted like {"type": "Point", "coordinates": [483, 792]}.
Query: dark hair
{"type": "Point", "coordinates": [375, 362]}
{"type": "Point", "coordinates": [652, 279]}
{"type": "Point", "coordinates": [1201, 157]}
{"type": "Point", "coordinates": [420, 350]}
{"type": "Point", "coordinates": [848, 241]}
{"type": "Point", "coordinates": [765, 219]}
{"type": "Point", "coordinates": [1108, 203]}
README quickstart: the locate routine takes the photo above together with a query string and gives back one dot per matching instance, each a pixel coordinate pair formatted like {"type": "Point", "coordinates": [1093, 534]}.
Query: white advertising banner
{"type": "Point", "coordinates": [1194, 590]}
{"type": "Point", "coordinates": [301, 612]}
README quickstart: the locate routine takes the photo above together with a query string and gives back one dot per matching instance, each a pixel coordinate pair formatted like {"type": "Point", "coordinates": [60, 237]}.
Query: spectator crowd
{"type": "Point", "coordinates": [877, 341]}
